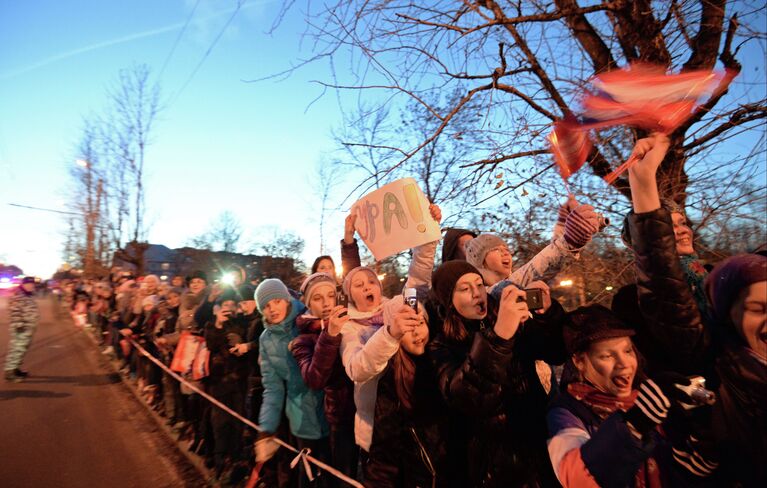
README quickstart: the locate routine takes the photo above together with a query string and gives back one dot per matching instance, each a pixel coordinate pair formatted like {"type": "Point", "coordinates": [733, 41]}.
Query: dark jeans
{"type": "Point", "coordinates": [344, 452]}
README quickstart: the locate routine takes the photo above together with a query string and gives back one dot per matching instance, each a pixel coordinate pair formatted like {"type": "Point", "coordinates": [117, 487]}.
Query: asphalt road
{"type": "Point", "coordinates": [73, 423]}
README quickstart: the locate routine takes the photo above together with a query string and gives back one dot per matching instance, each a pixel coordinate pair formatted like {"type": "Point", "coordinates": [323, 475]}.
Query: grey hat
{"type": "Point", "coordinates": [477, 248]}
{"type": "Point", "coordinates": [271, 289]}
{"type": "Point", "coordinates": [359, 269]}
{"type": "Point", "coordinates": [314, 280]}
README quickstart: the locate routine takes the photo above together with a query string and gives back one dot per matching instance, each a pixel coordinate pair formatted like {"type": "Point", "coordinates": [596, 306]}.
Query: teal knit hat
{"type": "Point", "coordinates": [271, 289]}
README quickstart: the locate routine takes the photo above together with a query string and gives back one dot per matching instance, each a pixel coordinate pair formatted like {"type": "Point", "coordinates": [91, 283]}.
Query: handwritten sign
{"type": "Point", "coordinates": [395, 217]}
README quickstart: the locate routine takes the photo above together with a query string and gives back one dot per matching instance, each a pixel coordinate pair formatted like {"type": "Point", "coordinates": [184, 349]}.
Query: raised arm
{"type": "Point", "coordinates": [350, 251]}
{"type": "Point", "coordinates": [669, 310]}
{"type": "Point", "coordinates": [422, 264]}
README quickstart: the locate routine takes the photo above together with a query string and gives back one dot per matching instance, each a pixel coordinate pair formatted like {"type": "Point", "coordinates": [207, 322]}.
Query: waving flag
{"type": "Point", "coordinates": [570, 146]}
{"type": "Point", "coordinates": [645, 96]}
{"type": "Point", "coordinates": [642, 96]}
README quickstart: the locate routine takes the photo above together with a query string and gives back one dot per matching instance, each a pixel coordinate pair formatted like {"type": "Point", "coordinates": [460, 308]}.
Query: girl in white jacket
{"type": "Point", "coordinates": [367, 342]}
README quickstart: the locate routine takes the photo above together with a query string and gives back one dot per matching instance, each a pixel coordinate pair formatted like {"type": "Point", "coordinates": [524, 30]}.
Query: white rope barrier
{"type": "Point", "coordinates": [301, 454]}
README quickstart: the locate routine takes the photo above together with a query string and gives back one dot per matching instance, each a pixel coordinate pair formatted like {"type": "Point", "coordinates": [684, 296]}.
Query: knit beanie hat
{"type": "Point", "coordinates": [150, 300]}
{"type": "Point", "coordinates": [196, 274]}
{"type": "Point", "coordinates": [271, 289]}
{"type": "Point", "coordinates": [477, 248]}
{"type": "Point", "coordinates": [444, 278]}
{"type": "Point", "coordinates": [350, 276]}
{"type": "Point", "coordinates": [229, 294]}
{"type": "Point", "coordinates": [246, 293]}
{"type": "Point", "coordinates": [591, 324]}
{"type": "Point", "coordinates": [728, 278]}
{"type": "Point", "coordinates": [450, 242]}
{"type": "Point", "coordinates": [314, 280]}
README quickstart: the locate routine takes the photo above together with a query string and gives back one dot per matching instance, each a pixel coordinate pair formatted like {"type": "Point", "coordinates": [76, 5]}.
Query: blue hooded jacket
{"type": "Point", "coordinates": [281, 377]}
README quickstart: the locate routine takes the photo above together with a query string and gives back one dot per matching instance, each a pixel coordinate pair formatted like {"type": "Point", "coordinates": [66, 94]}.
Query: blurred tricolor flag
{"type": "Point", "coordinates": [645, 96]}
{"type": "Point", "coordinates": [642, 96]}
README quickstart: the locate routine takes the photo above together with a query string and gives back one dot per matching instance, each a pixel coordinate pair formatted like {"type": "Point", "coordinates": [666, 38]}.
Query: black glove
{"type": "Point", "coordinates": [698, 456]}
{"type": "Point", "coordinates": [654, 401]}
{"type": "Point", "coordinates": [693, 442]}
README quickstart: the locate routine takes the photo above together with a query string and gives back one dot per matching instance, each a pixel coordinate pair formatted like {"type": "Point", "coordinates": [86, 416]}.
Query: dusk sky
{"type": "Point", "coordinates": [221, 143]}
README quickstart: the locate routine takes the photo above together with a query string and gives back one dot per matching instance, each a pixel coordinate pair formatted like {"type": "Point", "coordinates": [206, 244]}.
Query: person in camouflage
{"type": "Point", "coordinates": [24, 318]}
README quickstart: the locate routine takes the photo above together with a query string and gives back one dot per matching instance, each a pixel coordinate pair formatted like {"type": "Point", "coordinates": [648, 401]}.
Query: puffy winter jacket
{"type": "Point", "coordinates": [491, 387]}
{"type": "Point", "coordinates": [365, 352]}
{"type": "Point", "coordinates": [670, 316]}
{"type": "Point", "coordinates": [409, 447]}
{"type": "Point", "coordinates": [740, 413]}
{"type": "Point", "coordinates": [588, 451]}
{"type": "Point", "coordinates": [317, 354]}
{"type": "Point", "coordinates": [283, 384]}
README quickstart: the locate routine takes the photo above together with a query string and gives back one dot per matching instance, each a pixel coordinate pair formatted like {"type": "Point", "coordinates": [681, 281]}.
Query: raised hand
{"type": "Point", "coordinates": [436, 212]}
{"type": "Point", "coordinates": [581, 224]}
{"type": "Point", "coordinates": [405, 320]}
{"type": "Point", "coordinates": [349, 222]}
{"type": "Point", "coordinates": [644, 188]}
{"type": "Point", "coordinates": [650, 151]}
{"type": "Point", "coordinates": [511, 313]}
{"type": "Point", "coordinates": [545, 291]}
{"type": "Point", "coordinates": [338, 317]}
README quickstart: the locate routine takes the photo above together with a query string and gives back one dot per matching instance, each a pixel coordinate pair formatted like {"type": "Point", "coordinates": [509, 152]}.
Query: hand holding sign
{"type": "Point", "coordinates": [349, 222]}
{"type": "Point", "coordinates": [393, 218]}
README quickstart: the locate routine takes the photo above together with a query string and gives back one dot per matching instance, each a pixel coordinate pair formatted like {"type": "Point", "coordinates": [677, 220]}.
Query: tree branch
{"type": "Point", "coordinates": [706, 43]}
{"type": "Point", "coordinates": [500, 159]}
{"type": "Point", "coordinates": [748, 113]}
{"type": "Point", "coordinates": [601, 57]}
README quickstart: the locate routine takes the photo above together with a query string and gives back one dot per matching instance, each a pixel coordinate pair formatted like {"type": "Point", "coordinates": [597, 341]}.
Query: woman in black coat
{"type": "Point", "coordinates": [733, 352]}
{"type": "Point", "coordinates": [484, 359]}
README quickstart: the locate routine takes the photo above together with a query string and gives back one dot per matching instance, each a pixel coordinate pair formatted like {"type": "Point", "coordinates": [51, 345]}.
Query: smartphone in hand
{"type": "Point", "coordinates": [534, 298]}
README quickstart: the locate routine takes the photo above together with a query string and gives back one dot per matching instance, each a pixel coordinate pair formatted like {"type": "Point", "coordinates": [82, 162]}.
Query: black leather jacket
{"type": "Point", "coordinates": [494, 394]}
{"type": "Point", "coordinates": [673, 321]}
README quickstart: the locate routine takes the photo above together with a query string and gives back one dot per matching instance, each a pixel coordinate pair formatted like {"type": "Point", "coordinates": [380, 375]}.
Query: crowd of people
{"type": "Point", "coordinates": [453, 383]}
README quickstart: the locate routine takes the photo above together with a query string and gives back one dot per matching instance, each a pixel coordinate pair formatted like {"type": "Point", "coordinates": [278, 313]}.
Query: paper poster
{"type": "Point", "coordinates": [394, 218]}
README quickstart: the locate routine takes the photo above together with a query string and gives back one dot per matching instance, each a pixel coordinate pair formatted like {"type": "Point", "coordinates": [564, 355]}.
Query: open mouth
{"type": "Point", "coordinates": [481, 307]}
{"type": "Point", "coordinates": [370, 298]}
{"type": "Point", "coordinates": [622, 381]}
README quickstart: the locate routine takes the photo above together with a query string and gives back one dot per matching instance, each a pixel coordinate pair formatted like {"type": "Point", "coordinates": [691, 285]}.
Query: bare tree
{"type": "Point", "coordinates": [524, 63]}
{"type": "Point", "coordinates": [109, 178]}
{"type": "Point", "coordinates": [325, 181]}
{"type": "Point", "coordinates": [223, 234]}
{"type": "Point", "coordinates": [134, 104]}
{"type": "Point", "coordinates": [271, 241]}
{"type": "Point", "coordinates": [88, 201]}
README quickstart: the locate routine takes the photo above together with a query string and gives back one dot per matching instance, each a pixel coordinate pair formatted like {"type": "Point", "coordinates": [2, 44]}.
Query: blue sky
{"type": "Point", "coordinates": [222, 143]}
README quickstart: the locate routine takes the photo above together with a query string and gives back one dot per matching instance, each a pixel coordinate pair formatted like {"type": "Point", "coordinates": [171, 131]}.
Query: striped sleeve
{"type": "Point", "coordinates": [565, 448]}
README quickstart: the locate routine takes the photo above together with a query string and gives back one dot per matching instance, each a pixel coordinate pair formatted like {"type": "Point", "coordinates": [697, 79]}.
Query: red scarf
{"type": "Point", "coordinates": [603, 405]}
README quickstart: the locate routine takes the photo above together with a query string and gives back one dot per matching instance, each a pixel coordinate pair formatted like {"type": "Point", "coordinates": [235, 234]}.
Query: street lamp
{"type": "Point", "coordinates": [82, 163]}
{"type": "Point", "coordinates": [567, 282]}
